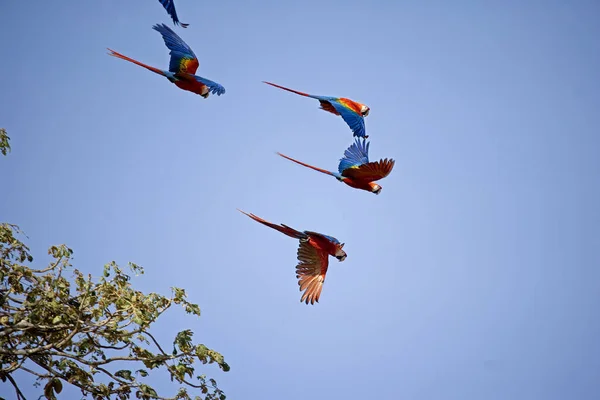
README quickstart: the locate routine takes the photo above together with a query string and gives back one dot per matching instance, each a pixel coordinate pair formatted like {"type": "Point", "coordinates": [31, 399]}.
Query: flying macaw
{"type": "Point", "coordinates": [182, 66]}
{"type": "Point", "coordinates": [169, 5]}
{"type": "Point", "coordinates": [312, 256]}
{"type": "Point", "coordinates": [355, 170]}
{"type": "Point", "coordinates": [351, 111]}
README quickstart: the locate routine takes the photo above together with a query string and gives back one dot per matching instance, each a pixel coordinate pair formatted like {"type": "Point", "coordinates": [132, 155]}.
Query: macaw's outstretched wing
{"type": "Point", "coordinates": [183, 59]}
{"type": "Point", "coordinates": [311, 271]}
{"type": "Point", "coordinates": [169, 5]}
{"type": "Point", "coordinates": [281, 228]}
{"type": "Point", "coordinates": [213, 87]}
{"type": "Point", "coordinates": [354, 119]}
{"type": "Point", "coordinates": [355, 155]}
{"type": "Point", "coordinates": [370, 172]}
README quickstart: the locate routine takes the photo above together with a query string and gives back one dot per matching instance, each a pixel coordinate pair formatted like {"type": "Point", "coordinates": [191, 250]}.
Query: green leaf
{"type": "Point", "coordinates": [56, 319]}
{"type": "Point", "coordinates": [49, 390]}
{"type": "Point", "coordinates": [142, 372]}
{"type": "Point", "coordinates": [124, 374]}
{"type": "Point", "coordinates": [57, 386]}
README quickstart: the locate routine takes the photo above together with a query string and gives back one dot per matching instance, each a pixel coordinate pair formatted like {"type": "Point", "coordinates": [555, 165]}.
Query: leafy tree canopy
{"type": "Point", "coordinates": [4, 144]}
{"type": "Point", "coordinates": [93, 334]}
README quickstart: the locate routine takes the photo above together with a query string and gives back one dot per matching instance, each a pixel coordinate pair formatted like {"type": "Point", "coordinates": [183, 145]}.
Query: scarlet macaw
{"type": "Point", "coordinates": [182, 66]}
{"type": "Point", "coordinates": [351, 111]}
{"type": "Point", "coordinates": [312, 256]}
{"type": "Point", "coordinates": [169, 5]}
{"type": "Point", "coordinates": [355, 170]}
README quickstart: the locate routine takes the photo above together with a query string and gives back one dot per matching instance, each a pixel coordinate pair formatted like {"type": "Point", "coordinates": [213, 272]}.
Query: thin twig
{"type": "Point", "coordinates": [20, 395]}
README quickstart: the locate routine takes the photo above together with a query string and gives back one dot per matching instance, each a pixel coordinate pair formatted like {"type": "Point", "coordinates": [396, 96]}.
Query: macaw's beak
{"type": "Point", "coordinates": [341, 254]}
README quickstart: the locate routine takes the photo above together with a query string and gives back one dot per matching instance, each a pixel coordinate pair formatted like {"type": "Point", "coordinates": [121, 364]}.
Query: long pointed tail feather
{"type": "Point", "coordinates": [309, 166]}
{"type": "Point", "coordinates": [281, 228]}
{"type": "Point", "coordinates": [121, 56]}
{"type": "Point", "coordinates": [291, 90]}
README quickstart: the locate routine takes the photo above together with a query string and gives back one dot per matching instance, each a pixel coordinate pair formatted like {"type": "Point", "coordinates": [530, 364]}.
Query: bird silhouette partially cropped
{"type": "Point", "coordinates": [169, 5]}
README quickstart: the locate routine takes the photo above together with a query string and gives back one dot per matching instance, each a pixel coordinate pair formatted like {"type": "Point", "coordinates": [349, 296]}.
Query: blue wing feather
{"type": "Point", "coordinates": [169, 5]}
{"type": "Point", "coordinates": [355, 155]}
{"type": "Point", "coordinates": [355, 121]}
{"type": "Point", "coordinates": [214, 87]}
{"type": "Point", "coordinates": [179, 49]}
{"type": "Point", "coordinates": [330, 238]}
{"type": "Point", "coordinates": [323, 98]}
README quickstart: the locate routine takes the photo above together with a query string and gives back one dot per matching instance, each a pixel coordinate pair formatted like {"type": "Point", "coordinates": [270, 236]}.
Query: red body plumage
{"type": "Point", "coordinates": [326, 246]}
{"type": "Point", "coordinates": [189, 83]}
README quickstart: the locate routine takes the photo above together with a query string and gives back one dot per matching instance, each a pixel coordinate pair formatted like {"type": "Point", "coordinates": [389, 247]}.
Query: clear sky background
{"type": "Point", "coordinates": [474, 275]}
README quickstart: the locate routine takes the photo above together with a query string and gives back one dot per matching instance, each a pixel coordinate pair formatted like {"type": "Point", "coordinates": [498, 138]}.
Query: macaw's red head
{"type": "Point", "coordinates": [339, 253]}
{"type": "Point", "coordinates": [375, 188]}
{"type": "Point", "coordinates": [364, 110]}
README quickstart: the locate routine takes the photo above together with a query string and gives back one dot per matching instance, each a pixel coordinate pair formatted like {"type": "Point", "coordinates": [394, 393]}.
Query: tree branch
{"type": "Point", "coordinates": [32, 372]}
{"type": "Point", "coordinates": [48, 268]}
{"type": "Point", "coordinates": [97, 344]}
{"type": "Point", "coordinates": [20, 395]}
{"type": "Point", "coordinates": [25, 325]}
{"type": "Point", "coordinates": [89, 388]}
{"type": "Point", "coordinates": [13, 366]}
{"type": "Point", "coordinates": [109, 360]}
{"type": "Point", "coordinates": [28, 352]}
{"type": "Point", "coordinates": [156, 343]}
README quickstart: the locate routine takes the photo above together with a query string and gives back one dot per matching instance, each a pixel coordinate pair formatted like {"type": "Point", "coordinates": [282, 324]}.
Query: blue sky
{"type": "Point", "coordinates": [473, 275]}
